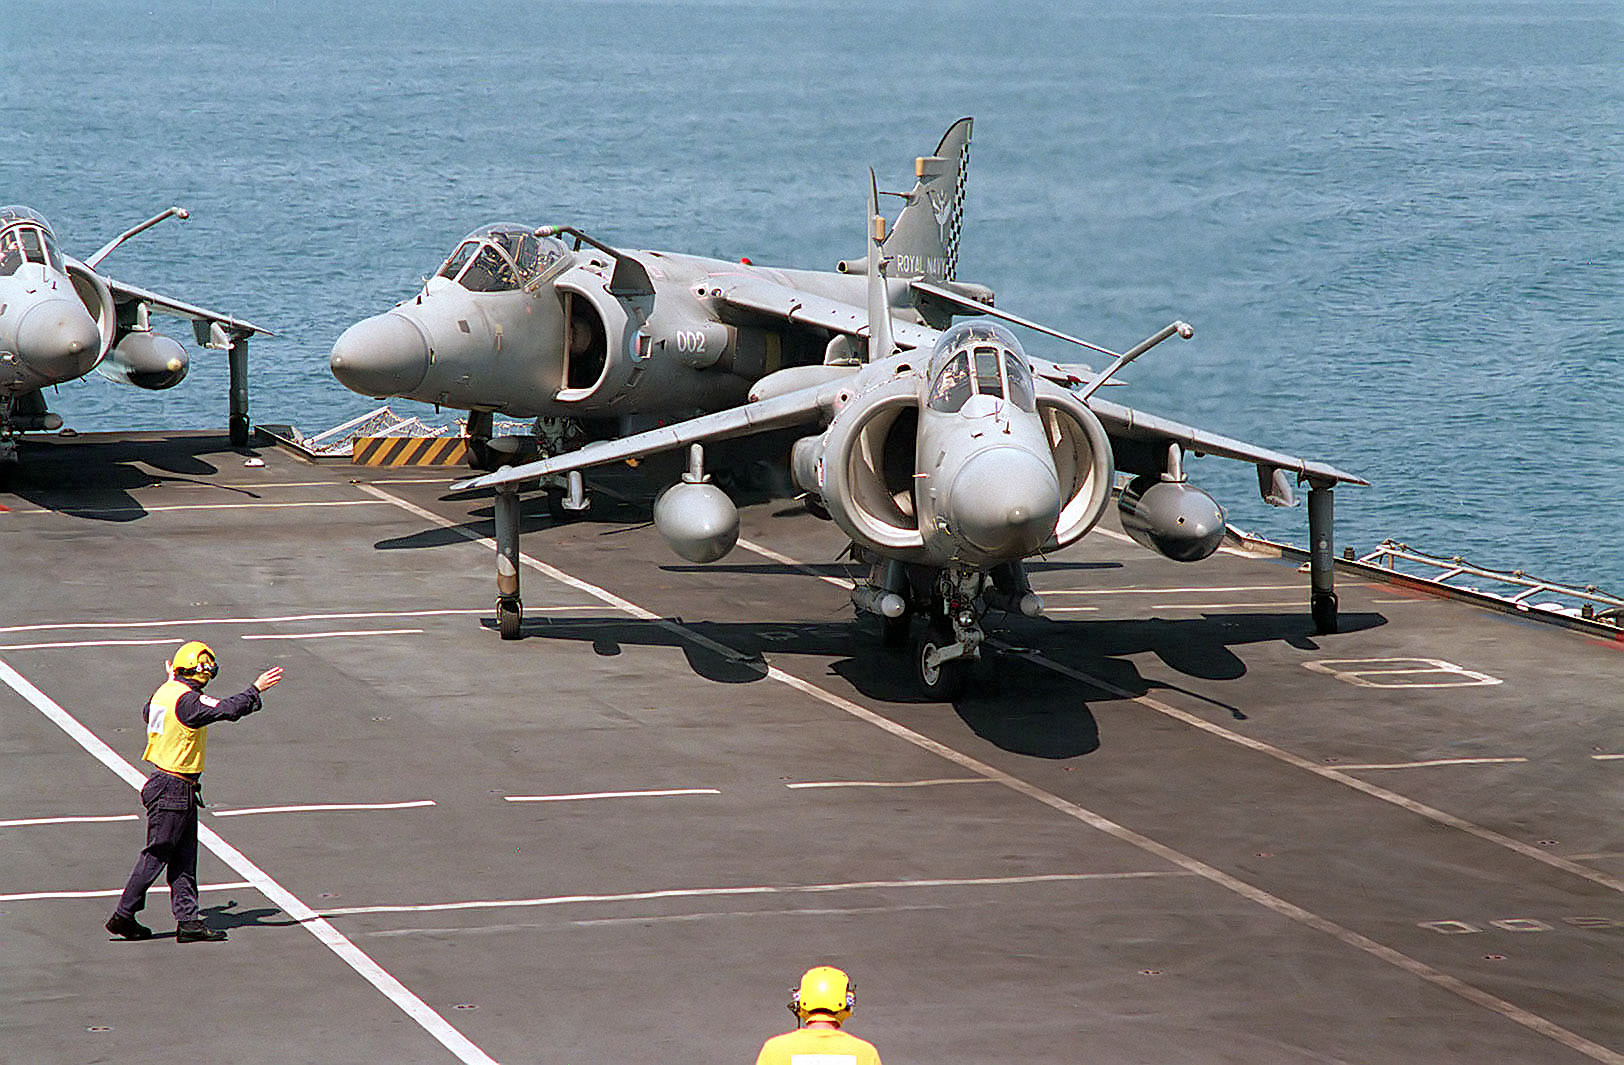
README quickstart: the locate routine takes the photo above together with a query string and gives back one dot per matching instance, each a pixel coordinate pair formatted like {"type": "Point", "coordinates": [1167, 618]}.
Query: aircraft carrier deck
{"type": "Point", "coordinates": [1169, 824]}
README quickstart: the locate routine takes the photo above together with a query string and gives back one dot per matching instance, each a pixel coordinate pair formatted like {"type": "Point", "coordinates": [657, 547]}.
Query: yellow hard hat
{"type": "Point", "coordinates": [195, 660]}
{"type": "Point", "coordinates": [824, 989]}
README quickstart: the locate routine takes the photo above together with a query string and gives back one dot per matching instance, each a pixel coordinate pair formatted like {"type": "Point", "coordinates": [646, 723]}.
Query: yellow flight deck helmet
{"type": "Point", "coordinates": [824, 989]}
{"type": "Point", "coordinates": [196, 661]}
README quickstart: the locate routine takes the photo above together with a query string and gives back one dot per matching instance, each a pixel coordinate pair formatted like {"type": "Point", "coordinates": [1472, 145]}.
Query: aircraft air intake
{"type": "Point", "coordinates": [1083, 462]}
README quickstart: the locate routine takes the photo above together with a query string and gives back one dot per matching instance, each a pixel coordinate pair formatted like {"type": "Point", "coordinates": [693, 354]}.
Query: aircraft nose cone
{"type": "Point", "coordinates": [1005, 502]}
{"type": "Point", "coordinates": [382, 356]}
{"type": "Point", "coordinates": [58, 339]}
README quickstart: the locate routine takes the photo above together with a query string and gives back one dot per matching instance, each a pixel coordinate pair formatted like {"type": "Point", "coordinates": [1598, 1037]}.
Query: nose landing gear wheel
{"type": "Point", "coordinates": [944, 681]}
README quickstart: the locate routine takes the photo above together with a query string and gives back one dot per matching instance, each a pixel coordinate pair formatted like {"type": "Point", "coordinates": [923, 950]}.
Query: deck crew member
{"type": "Point", "coordinates": [822, 1002]}
{"type": "Point", "coordinates": [178, 716]}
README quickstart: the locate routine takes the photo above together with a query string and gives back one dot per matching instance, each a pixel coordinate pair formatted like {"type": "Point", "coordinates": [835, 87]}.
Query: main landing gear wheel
{"type": "Point", "coordinates": [509, 618]}
{"type": "Point", "coordinates": [944, 681]}
{"type": "Point", "coordinates": [238, 429]}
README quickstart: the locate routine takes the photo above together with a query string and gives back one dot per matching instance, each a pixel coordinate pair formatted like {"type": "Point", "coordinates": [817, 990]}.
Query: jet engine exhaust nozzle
{"type": "Point", "coordinates": [1005, 502]}
{"type": "Point", "coordinates": [386, 355]}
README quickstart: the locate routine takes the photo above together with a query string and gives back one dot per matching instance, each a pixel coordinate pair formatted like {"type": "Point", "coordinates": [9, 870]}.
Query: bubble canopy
{"type": "Point", "coordinates": [25, 236]}
{"type": "Point", "coordinates": [979, 358]}
{"type": "Point", "coordinates": [504, 257]}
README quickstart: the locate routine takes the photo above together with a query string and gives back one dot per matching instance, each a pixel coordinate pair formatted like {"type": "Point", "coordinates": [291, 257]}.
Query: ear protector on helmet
{"type": "Point", "coordinates": [824, 989]}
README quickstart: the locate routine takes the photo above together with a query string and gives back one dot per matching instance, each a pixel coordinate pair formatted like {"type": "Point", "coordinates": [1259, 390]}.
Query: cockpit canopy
{"type": "Point", "coordinates": [504, 257]}
{"type": "Point", "coordinates": [979, 358]}
{"type": "Point", "coordinates": [25, 236]}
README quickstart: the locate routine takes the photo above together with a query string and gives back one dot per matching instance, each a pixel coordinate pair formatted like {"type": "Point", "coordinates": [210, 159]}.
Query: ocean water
{"type": "Point", "coordinates": [1398, 228]}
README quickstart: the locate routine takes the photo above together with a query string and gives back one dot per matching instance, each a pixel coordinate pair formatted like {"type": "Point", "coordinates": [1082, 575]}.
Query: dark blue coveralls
{"type": "Point", "coordinates": [172, 800]}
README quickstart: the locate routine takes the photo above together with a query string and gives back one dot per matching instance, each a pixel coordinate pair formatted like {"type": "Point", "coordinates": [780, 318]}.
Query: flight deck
{"type": "Point", "coordinates": [1167, 823]}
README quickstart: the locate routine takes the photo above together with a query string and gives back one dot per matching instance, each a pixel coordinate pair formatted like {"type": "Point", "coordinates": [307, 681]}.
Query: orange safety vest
{"type": "Point", "coordinates": [170, 744]}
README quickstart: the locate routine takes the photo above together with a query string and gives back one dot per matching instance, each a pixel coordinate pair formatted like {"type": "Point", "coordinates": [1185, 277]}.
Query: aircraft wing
{"type": "Point", "coordinates": [1125, 423]}
{"type": "Point", "coordinates": [758, 295]}
{"type": "Point", "coordinates": [123, 293]}
{"type": "Point", "coordinates": [779, 412]}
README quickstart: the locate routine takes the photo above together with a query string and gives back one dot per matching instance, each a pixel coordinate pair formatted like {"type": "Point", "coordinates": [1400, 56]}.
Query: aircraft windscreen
{"type": "Point", "coordinates": [951, 389]}
{"type": "Point", "coordinates": [988, 380]}
{"type": "Point", "coordinates": [1022, 392]}
{"type": "Point", "coordinates": [979, 358]}
{"type": "Point", "coordinates": [491, 271]}
{"type": "Point", "coordinates": [459, 259]}
{"type": "Point", "coordinates": [27, 243]}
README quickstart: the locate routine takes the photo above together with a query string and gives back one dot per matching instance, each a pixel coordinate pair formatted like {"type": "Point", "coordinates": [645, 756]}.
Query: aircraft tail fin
{"type": "Point", "coordinates": [924, 241]}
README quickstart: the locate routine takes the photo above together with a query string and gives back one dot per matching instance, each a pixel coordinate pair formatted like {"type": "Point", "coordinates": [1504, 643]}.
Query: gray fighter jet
{"type": "Point", "coordinates": [948, 457]}
{"type": "Point", "coordinates": [60, 319]}
{"type": "Point", "coordinates": [596, 342]}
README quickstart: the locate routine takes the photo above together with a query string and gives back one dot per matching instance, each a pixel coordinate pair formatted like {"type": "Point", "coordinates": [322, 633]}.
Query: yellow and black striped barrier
{"type": "Point", "coordinates": [409, 451]}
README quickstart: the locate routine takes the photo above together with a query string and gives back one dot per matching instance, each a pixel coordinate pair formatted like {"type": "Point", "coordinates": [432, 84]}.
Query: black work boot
{"type": "Point", "coordinates": [197, 932]}
{"type": "Point", "coordinates": [127, 927]}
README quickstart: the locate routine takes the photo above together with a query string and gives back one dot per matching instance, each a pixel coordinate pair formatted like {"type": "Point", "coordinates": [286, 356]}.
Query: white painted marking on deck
{"type": "Point", "coordinates": [1607, 757]}
{"type": "Point", "coordinates": [752, 889]}
{"type": "Point", "coordinates": [1291, 911]}
{"type": "Point", "coordinates": [652, 794]}
{"type": "Point", "coordinates": [328, 635]}
{"type": "Point", "coordinates": [1375, 672]}
{"type": "Point", "coordinates": [113, 893]}
{"type": "Point", "coordinates": [769, 553]}
{"type": "Point", "coordinates": [1224, 606]}
{"type": "Point", "coordinates": [323, 807]}
{"type": "Point", "coordinates": [330, 937]}
{"type": "Point", "coordinates": [89, 643]}
{"type": "Point", "coordinates": [1433, 762]}
{"type": "Point", "coordinates": [1226, 589]}
{"type": "Point", "coordinates": [68, 820]}
{"type": "Point", "coordinates": [275, 619]}
{"type": "Point", "coordinates": [889, 783]}
{"type": "Point", "coordinates": [172, 507]}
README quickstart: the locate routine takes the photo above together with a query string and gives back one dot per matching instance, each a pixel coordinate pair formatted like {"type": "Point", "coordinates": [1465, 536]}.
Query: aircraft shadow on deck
{"type": "Point", "coordinates": [96, 480]}
{"type": "Point", "coordinates": [1013, 703]}
{"type": "Point", "coordinates": [534, 517]}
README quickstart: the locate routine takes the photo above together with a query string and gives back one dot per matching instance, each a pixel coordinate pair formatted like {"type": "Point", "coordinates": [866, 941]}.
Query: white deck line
{"type": "Point", "coordinates": [1432, 762]}
{"type": "Point", "coordinates": [322, 808]}
{"type": "Point", "coordinates": [656, 793]}
{"type": "Point", "coordinates": [328, 635]}
{"type": "Point", "coordinates": [112, 893]}
{"type": "Point", "coordinates": [90, 643]}
{"type": "Point", "coordinates": [357, 615]}
{"type": "Point", "coordinates": [330, 937]}
{"type": "Point", "coordinates": [888, 783]}
{"type": "Point", "coordinates": [1509, 1010]}
{"type": "Point", "coordinates": [68, 820]}
{"type": "Point", "coordinates": [748, 889]}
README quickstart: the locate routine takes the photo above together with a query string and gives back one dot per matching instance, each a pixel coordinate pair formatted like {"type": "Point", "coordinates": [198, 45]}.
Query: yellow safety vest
{"type": "Point", "coordinates": [170, 744]}
{"type": "Point", "coordinates": [817, 1046]}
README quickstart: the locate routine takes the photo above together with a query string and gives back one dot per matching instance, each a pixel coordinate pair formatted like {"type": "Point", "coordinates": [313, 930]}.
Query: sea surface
{"type": "Point", "coordinates": [1398, 228]}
